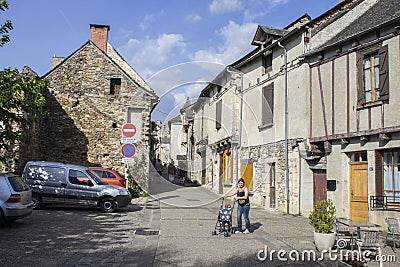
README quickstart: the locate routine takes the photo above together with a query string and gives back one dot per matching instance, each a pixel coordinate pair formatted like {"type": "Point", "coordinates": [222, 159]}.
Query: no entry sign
{"type": "Point", "coordinates": [128, 130]}
{"type": "Point", "coordinates": [128, 150]}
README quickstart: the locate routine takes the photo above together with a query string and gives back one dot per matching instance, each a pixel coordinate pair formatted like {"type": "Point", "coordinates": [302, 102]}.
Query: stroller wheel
{"type": "Point", "coordinates": [214, 232]}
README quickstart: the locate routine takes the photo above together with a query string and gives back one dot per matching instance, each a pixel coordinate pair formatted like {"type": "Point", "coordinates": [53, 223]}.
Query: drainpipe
{"type": "Point", "coordinates": [286, 129]}
{"type": "Point", "coordinates": [240, 127]}
{"type": "Point", "coordinates": [239, 145]}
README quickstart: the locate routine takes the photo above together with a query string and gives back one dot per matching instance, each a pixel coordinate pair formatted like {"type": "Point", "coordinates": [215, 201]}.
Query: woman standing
{"type": "Point", "coordinates": [242, 197]}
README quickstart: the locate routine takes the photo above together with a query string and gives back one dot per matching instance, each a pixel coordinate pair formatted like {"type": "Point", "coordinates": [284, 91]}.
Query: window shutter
{"type": "Point", "coordinates": [360, 80]}
{"type": "Point", "coordinates": [268, 105]}
{"type": "Point", "coordinates": [378, 174]}
{"type": "Point", "coordinates": [384, 73]}
{"type": "Point", "coordinates": [218, 115]}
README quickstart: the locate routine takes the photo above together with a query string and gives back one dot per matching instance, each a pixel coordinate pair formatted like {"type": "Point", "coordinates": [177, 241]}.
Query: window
{"type": "Point", "coordinates": [358, 157]}
{"type": "Point", "coordinates": [218, 115]}
{"type": "Point", "coordinates": [267, 62]}
{"type": "Point", "coordinates": [373, 75]}
{"type": "Point", "coordinates": [267, 115]}
{"type": "Point", "coordinates": [17, 184]}
{"type": "Point", "coordinates": [115, 85]}
{"type": "Point", "coordinates": [391, 173]}
{"type": "Point", "coordinates": [78, 178]}
{"type": "Point", "coordinates": [388, 174]}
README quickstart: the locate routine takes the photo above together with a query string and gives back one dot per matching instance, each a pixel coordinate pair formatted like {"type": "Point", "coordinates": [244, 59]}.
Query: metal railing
{"type": "Point", "coordinates": [385, 203]}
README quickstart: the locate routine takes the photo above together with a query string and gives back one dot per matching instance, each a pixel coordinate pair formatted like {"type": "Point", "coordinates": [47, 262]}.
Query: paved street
{"type": "Point", "coordinates": [174, 231]}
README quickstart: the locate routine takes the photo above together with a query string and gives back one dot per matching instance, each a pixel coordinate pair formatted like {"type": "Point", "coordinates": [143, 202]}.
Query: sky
{"type": "Point", "coordinates": [177, 46]}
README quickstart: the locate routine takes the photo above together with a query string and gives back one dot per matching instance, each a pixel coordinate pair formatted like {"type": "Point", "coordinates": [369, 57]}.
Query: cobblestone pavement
{"type": "Point", "coordinates": [66, 236]}
{"type": "Point", "coordinates": [174, 230]}
{"type": "Point", "coordinates": [188, 216]}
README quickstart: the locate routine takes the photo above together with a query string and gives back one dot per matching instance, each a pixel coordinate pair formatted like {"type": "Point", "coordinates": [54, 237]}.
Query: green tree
{"type": "Point", "coordinates": [7, 26]}
{"type": "Point", "coordinates": [21, 105]}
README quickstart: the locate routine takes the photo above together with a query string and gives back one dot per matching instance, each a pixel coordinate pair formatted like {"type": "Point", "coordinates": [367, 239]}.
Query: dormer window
{"type": "Point", "coordinates": [267, 62]}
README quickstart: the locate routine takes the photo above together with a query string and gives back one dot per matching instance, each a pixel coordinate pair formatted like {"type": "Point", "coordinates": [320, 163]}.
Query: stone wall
{"type": "Point", "coordinates": [263, 157]}
{"type": "Point", "coordinates": [84, 121]}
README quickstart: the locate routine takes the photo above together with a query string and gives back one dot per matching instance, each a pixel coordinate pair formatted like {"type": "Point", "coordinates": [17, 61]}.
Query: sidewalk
{"type": "Point", "coordinates": [189, 215]}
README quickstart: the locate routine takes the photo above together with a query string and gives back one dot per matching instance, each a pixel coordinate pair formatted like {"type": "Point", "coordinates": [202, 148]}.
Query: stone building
{"type": "Point", "coordinates": [92, 93]}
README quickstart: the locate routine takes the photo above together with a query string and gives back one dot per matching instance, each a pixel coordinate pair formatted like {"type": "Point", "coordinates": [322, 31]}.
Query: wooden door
{"type": "Point", "coordinates": [222, 172]}
{"type": "Point", "coordinates": [359, 191]}
{"type": "Point", "coordinates": [246, 171]}
{"type": "Point", "coordinates": [203, 168]}
{"type": "Point", "coordinates": [319, 185]}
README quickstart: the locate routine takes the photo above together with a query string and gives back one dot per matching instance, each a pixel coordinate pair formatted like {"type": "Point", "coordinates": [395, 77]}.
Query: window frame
{"type": "Point", "coordinates": [218, 115]}
{"type": "Point", "coordinates": [380, 175]}
{"type": "Point", "coordinates": [383, 76]}
{"type": "Point", "coordinates": [267, 58]}
{"type": "Point", "coordinates": [115, 85]}
{"type": "Point", "coordinates": [267, 116]}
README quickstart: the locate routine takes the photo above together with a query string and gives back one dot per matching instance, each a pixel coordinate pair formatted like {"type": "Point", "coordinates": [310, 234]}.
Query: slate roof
{"type": "Point", "coordinates": [382, 12]}
{"type": "Point", "coordinates": [274, 31]}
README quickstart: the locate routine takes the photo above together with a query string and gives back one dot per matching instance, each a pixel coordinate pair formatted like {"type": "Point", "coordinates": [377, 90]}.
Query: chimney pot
{"type": "Point", "coordinates": [55, 61]}
{"type": "Point", "coordinates": [99, 35]}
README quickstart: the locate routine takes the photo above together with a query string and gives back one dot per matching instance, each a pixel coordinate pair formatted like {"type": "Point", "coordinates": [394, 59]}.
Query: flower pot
{"type": "Point", "coordinates": [324, 241]}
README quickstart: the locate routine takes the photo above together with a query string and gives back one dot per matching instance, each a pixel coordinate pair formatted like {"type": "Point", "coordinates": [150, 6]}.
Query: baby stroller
{"type": "Point", "coordinates": [224, 222]}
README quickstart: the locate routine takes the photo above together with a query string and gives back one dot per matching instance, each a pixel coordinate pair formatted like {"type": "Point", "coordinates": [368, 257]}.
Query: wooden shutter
{"type": "Point", "coordinates": [360, 79]}
{"type": "Point", "coordinates": [384, 73]}
{"type": "Point", "coordinates": [218, 115]}
{"type": "Point", "coordinates": [378, 174]}
{"type": "Point", "coordinates": [268, 105]}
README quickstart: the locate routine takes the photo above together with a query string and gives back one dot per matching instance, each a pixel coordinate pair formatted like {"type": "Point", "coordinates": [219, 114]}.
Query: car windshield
{"type": "Point", "coordinates": [95, 177]}
{"type": "Point", "coordinates": [17, 183]}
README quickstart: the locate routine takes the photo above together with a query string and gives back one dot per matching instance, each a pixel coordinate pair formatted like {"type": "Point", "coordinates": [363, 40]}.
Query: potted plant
{"type": "Point", "coordinates": [322, 218]}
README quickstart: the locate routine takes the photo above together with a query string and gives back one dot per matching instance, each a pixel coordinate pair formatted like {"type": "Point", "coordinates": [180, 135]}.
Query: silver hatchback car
{"type": "Point", "coordinates": [15, 198]}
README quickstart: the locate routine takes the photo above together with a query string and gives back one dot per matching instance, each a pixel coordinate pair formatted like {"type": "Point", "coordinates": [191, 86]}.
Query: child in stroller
{"type": "Point", "coordinates": [224, 221]}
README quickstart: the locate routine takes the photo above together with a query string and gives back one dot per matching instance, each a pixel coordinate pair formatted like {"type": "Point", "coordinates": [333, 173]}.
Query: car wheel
{"type": "Point", "coordinates": [107, 205]}
{"type": "Point", "coordinates": [37, 201]}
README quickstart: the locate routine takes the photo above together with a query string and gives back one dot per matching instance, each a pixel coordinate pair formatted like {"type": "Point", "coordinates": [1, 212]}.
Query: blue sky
{"type": "Point", "coordinates": [158, 38]}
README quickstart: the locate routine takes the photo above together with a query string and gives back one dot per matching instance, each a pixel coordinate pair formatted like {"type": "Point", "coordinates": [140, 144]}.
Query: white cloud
{"type": "Point", "coordinates": [236, 43]}
{"type": "Point", "coordinates": [150, 55]}
{"type": "Point", "coordinates": [225, 6]}
{"type": "Point", "coordinates": [149, 19]}
{"type": "Point", "coordinates": [194, 18]}
{"type": "Point", "coordinates": [255, 9]}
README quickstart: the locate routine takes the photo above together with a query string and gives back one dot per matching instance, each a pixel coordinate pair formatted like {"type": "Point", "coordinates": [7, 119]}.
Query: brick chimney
{"type": "Point", "coordinates": [55, 61]}
{"type": "Point", "coordinates": [99, 35]}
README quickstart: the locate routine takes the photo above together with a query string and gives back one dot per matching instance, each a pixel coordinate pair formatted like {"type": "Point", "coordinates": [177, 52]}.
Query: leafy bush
{"type": "Point", "coordinates": [323, 217]}
{"type": "Point", "coordinates": [136, 191]}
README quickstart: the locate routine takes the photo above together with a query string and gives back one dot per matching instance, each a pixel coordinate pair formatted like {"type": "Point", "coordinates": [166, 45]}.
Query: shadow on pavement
{"type": "Point", "coordinates": [66, 236]}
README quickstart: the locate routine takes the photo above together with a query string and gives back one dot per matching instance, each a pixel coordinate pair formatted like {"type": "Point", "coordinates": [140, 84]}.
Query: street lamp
{"type": "Point", "coordinates": [239, 140]}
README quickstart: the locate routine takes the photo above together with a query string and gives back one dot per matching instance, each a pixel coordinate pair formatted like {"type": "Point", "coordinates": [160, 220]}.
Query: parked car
{"type": "Point", "coordinates": [53, 182]}
{"type": "Point", "coordinates": [15, 198]}
{"type": "Point", "coordinates": [109, 176]}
